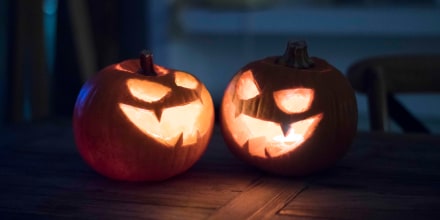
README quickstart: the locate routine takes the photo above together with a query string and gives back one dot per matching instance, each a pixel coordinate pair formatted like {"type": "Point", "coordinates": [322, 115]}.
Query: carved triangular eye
{"type": "Point", "coordinates": [294, 100]}
{"type": "Point", "coordinates": [185, 80]}
{"type": "Point", "coordinates": [247, 87]}
{"type": "Point", "coordinates": [146, 90]}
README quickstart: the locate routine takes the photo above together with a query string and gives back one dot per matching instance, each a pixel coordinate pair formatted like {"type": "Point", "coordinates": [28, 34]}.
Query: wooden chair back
{"type": "Point", "coordinates": [382, 77]}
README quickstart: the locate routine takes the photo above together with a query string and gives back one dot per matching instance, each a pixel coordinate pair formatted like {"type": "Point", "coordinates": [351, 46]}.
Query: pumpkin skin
{"type": "Point", "coordinates": [289, 115]}
{"type": "Point", "coordinates": [138, 121]}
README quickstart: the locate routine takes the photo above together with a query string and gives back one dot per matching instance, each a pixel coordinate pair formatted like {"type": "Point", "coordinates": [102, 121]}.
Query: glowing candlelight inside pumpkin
{"type": "Point", "coordinates": [294, 100]}
{"type": "Point", "coordinates": [138, 121]}
{"type": "Point", "coordinates": [290, 114]}
{"type": "Point", "coordinates": [267, 139]}
{"type": "Point", "coordinates": [291, 138]}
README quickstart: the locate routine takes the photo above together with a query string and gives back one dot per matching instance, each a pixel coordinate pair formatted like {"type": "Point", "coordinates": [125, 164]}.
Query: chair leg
{"type": "Point", "coordinates": [377, 103]}
{"type": "Point", "coordinates": [403, 117]}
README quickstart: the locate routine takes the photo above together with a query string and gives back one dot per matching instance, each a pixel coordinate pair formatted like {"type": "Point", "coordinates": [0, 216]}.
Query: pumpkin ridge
{"type": "Point", "coordinates": [275, 133]}
{"type": "Point", "coordinates": [141, 131]}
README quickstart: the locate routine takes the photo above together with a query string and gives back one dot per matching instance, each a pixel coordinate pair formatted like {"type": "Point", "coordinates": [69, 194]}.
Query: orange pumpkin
{"type": "Point", "coordinates": [290, 114]}
{"type": "Point", "coordinates": [139, 121]}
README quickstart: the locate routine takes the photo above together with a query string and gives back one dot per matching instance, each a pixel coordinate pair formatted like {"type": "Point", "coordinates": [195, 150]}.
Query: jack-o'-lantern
{"type": "Point", "coordinates": [139, 121]}
{"type": "Point", "coordinates": [289, 114]}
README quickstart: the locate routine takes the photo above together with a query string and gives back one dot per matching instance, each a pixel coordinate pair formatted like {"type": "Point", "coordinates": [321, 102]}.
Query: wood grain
{"type": "Point", "coordinates": [382, 181]}
{"type": "Point", "coordinates": [263, 199]}
{"type": "Point", "coordinates": [384, 176]}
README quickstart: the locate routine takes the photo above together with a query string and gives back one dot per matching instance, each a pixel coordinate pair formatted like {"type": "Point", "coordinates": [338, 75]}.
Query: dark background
{"type": "Point", "coordinates": [210, 40]}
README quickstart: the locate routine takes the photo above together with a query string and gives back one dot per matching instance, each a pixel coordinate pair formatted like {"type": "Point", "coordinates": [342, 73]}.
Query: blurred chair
{"type": "Point", "coordinates": [29, 80]}
{"type": "Point", "coordinates": [380, 78]}
{"type": "Point", "coordinates": [89, 36]}
{"type": "Point", "coordinates": [27, 65]}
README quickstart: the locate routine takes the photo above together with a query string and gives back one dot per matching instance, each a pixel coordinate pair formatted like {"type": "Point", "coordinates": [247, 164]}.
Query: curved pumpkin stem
{"type": "Point", "coordinates": [296, 56]}
{"type": "Point", "coordinates": [147, 65]}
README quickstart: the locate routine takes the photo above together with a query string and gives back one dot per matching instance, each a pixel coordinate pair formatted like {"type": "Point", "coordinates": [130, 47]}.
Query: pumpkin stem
{"type": "Point", "coordinates": [296, 56]}
{"type": "Point", "coordinates": [147, 65]}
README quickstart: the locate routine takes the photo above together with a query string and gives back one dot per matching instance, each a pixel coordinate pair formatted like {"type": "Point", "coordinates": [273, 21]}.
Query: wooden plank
{"type": "Point", "coordinates": [383, 176]}
{"type": "Point", "coordinates": [91, 207]}
{"type": "Point", "coordinates": [263, 199]}
{"type": "Point", "coordinates": [206, 191]}
{"type": "Point", "coordinates": [376, 180]}
{"type": "Point", "coordinates": [191, 195]}
{"type": "Point", "coordinates": [325, 202]}
{"type": "Point", "coordinates": [41, 173]}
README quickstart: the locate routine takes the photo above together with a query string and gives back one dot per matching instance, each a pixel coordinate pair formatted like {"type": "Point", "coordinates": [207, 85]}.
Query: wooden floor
{"type": "Point", "coordinates": [383, 177]}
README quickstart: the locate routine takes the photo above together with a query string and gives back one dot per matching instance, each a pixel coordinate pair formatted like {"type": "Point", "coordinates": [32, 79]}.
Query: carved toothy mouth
{"type": "Point", "coordinates": [269, 139]}
{"type": "Point", "coordinates": [176, 125]}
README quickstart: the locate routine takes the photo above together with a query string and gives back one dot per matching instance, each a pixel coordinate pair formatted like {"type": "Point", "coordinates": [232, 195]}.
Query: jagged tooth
{"type": "Point", "coordinates": [199, 98]}
{"type": "Point", "coordinates": [179, 142]}
{"type": "Point", "coordinates": [238, 109]}
{"type": "Point", "coordinates": [199, 137]}
{"type": "Point", "coordinates": [271, 151]}
{"type": "Point", "coordinates": [267, 153]}
{"type": "Point", "coordinates": [158, 113]}
{"type": "Point", "coordinates": [246, 146]}
{"type": "Point", "coordinates": [285, 127]}
{"type": "Point", "coordinates": [199, 91]}
{"type": "Point", "coordinates": [237, 113]}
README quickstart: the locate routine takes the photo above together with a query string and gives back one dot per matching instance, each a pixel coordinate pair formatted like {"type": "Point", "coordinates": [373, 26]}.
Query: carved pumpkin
{"type": "Point", "coordinates": [290, 114]}
{"type": "Point", "coordinates": [139, 121]}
